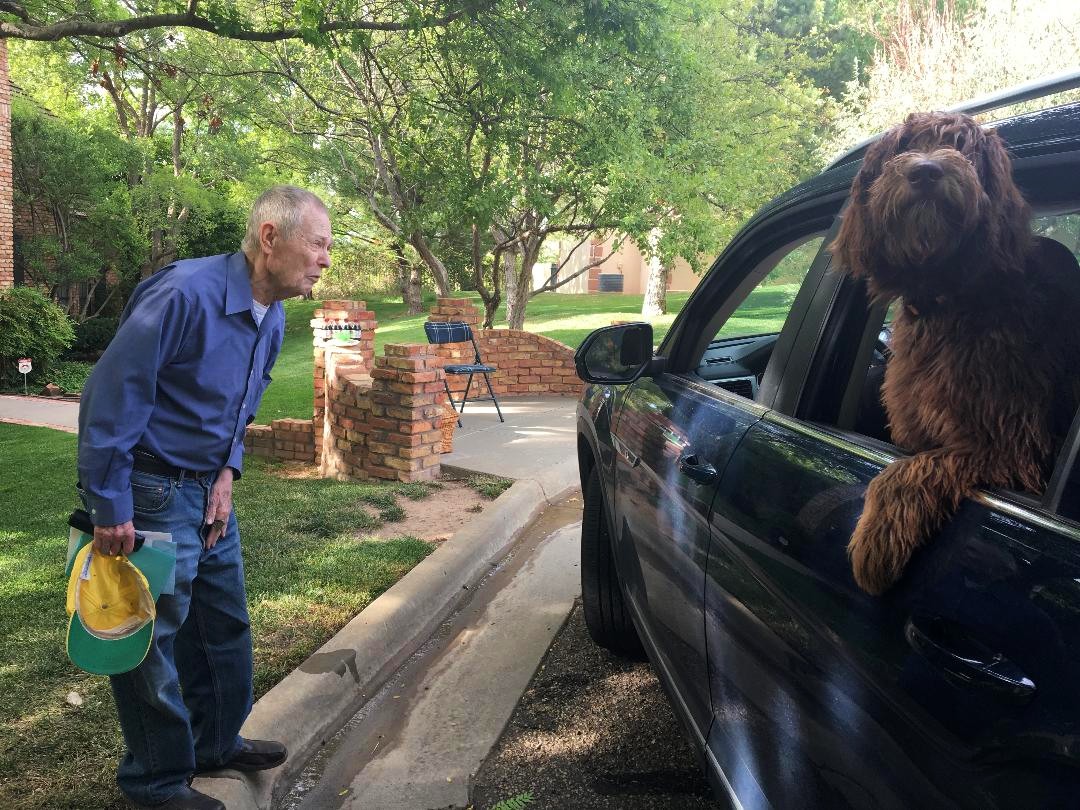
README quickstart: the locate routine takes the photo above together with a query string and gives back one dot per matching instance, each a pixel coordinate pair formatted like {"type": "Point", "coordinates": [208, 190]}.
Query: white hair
{"type": "Point", "coordinates": [282, 206]}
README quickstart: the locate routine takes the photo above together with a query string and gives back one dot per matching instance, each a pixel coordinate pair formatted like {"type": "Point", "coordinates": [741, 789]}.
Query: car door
{"type": "Point", "coordinates": [955, 689]}
{"type": "Point", "coordinates": [673, 434]}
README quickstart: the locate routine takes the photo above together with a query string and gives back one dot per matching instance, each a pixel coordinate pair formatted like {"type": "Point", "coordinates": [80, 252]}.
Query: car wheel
{"type": "Point", "coordinates": [606, 614]}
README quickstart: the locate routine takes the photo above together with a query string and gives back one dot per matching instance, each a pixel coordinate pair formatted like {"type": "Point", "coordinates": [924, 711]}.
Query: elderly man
{"type": "Point", "coordinates": [161, 439]}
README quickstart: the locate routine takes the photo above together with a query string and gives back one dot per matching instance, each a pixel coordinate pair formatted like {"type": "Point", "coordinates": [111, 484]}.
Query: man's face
{"type": "Point", "coordinates": [296, 263]}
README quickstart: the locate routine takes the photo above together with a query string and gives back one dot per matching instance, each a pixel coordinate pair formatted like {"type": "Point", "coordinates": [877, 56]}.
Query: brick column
{"type": "Point", "coordinates": [7, 238]}
{"type": "Point", "coordinates": [340, 435]}
{"type": "Point", "coordinates": [405, 435]}
{"type": "Point", "coordinates": [456, 309]}
{"type": "Point", "coordinates": [327, 354]}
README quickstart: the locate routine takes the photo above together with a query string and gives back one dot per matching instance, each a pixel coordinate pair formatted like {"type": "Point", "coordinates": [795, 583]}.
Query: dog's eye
{"type": "Point", "coordinates": [960, 143]}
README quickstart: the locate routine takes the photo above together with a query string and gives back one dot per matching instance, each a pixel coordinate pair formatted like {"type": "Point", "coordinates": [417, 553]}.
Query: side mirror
{"type": "Point", "coordinates": [615, 355]}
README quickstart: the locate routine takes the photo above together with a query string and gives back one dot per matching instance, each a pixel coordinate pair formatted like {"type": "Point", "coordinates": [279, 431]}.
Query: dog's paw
{"type": "Point", "coordinates": [877, 559]}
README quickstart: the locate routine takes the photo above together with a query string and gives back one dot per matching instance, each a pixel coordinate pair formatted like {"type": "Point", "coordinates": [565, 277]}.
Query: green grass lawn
{"type": "Point", "coordinates": [307, 575]}
{"type": "Point", "coordinates": [565, 318]}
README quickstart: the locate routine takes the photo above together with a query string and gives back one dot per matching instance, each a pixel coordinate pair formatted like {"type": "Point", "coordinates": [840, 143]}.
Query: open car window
{"type": "Point", "coordinates": [742, 343]}
{"type": "Point", "coordinates": [1063, 228]}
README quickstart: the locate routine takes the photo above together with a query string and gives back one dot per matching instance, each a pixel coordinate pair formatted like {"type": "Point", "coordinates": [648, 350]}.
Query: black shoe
{"type": "Point", "coordinates": [254, 755]}
{"type": "Point", "coordinates": [188, 799]}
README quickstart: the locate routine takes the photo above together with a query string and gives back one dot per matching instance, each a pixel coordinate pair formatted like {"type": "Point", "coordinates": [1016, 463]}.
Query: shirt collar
{"type": "Point", "coordinates": [237, 285]}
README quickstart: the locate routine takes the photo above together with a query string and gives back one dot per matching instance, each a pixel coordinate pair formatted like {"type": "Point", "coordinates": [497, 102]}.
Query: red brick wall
{"type": "Point", "coordinates": [403, 431]}
{"type": "Point", "coordinates": [385, 424]}
{"type": "Point", "coordinates": [291, 439]}
{"type": "Point", "coordinates": [7, 243]}
{"type": "Point", "coordinates": [528, 364]}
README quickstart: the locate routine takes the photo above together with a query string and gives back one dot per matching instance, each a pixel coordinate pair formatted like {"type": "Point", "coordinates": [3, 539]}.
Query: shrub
{"type": "Point", "coordinates": [31, 326]}
{"type": "Point", "coordinates": [92, 336]}
{"type": "Point", "coordinates": [70, 376]}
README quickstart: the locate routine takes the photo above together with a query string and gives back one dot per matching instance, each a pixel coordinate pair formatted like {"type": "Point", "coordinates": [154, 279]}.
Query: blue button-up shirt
{"type": "Point", "coordinates": [182, 379]}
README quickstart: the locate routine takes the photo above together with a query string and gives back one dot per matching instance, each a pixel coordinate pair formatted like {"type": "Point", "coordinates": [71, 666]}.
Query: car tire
{"type": "Point", "coordinates": [606, 613]}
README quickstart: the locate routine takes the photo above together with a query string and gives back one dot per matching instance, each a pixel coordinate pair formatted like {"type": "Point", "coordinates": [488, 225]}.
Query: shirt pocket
{"type": "Point", "coordinates": [150, 493]}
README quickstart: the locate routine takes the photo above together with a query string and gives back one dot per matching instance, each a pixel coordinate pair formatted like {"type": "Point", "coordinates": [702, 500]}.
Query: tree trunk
{"type": "Point", "coordinates": [434, 263]}
{"type": "Point", "coordinates": [520, 276]}
{"type": "Point", "coordinates": [490, 308]}
{"type": "Point", "coordinates": [492, 297]}
{"type": "Point", "coordinates": [408, 278]}
{"type": "Point", "coordinates": [655, 302]}
{"type": "Point", "coordinates": [517, 290]}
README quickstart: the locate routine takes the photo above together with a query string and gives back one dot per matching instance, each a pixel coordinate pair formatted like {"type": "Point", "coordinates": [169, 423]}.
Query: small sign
{"type": "Point", "coordinates": [25, 366]}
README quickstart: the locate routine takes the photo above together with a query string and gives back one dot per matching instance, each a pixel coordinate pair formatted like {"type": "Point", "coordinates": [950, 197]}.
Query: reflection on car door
{"type": "Point", "coordinates": [958, 688]}
{"type": "Point", "coordinates": [672, 438]}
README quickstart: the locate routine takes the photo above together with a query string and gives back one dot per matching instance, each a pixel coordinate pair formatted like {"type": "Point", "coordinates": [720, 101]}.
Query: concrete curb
{"type": "Point", "coordinates": [317, 698]}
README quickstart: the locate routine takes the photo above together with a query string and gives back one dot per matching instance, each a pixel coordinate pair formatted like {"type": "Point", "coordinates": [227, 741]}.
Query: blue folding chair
{"type": "Point", "coordinates": [459, 332]}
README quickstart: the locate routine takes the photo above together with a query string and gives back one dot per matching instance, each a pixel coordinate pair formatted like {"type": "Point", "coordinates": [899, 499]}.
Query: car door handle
{"type": "Point", "coordinates": [973, 666]}
{"type": "Point", "coordinates": [693, 467]}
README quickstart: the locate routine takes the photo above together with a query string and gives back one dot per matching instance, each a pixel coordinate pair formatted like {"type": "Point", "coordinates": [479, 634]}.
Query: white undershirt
{"type": "Point", "coordinates": [258, 311]}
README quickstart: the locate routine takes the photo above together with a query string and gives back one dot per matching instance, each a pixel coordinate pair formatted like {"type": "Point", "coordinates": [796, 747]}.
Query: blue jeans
{"type": "Point", "coordinates": [183, 706]}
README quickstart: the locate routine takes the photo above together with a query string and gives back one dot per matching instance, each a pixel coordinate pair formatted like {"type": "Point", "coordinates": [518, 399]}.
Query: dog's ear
{"type": "Point", "coordinates": [880, 152]}
{"type": "Point", "coordinates": [1010, 227]}
{"type": "Point", "coordinates": [851, 247]}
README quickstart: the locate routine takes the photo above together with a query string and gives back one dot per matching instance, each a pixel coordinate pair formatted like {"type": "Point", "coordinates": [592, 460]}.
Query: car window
{"type": "Point", "coordinates": [766, 307]}
{"type": "Point", "coordinates": [1064, 228]}
{"type": "Point", "coordinates": [742, 343]}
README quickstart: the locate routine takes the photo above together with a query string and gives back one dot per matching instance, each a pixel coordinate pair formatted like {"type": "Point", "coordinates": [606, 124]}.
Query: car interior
{"type": "Point", "coordinates": [737, 356]}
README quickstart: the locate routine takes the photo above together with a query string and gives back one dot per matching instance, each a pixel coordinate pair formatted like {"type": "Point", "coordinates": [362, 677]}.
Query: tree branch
{"type": "Point", "coordinates": [114, 29]}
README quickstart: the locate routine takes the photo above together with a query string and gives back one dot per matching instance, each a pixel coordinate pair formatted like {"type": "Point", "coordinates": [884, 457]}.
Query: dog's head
{"type": "Point", "coordinates": [933, 205]}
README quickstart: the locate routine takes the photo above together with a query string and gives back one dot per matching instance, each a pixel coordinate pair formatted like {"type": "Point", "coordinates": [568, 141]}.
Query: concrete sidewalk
{"type": "Point", "coordinates": [60, 414]}
{"type": "Point", "coordinates": [537, 434]}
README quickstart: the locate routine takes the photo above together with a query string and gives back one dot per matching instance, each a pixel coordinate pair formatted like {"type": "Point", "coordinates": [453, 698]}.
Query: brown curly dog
{"type": "Point", "coordinates": [981, 386]}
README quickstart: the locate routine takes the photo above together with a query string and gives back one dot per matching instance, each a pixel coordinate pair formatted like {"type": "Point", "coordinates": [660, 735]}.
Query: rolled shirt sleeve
{"type": "Point", "coordinates": [119, 398]}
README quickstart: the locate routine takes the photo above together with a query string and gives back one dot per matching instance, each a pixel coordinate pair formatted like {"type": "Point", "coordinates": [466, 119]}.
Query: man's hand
{"type": "Point", "coordinates": [113, 540]}
{"type": "Point", "coordinates": [219, 508]}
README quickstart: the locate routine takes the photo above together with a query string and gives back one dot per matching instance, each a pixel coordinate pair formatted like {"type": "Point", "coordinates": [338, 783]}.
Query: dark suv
{"type": "Point", "coordinates": [723, 475]}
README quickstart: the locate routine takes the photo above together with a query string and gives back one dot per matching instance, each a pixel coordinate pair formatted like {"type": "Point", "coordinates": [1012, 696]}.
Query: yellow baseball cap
{"type": "Point", "coordinates": [111, 612]}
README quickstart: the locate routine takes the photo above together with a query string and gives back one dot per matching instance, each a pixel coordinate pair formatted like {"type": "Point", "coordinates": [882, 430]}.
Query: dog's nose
{"type": "Point", "coordinates": [925, 173]}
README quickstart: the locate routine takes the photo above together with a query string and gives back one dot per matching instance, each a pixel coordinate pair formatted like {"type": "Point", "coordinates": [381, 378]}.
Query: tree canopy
{"type": "Point", "coordinates": [453, 139]}
{"type": "Point", "coordinates": [308, 20]}
{"type": "Point", "coordinates": [934, 56]}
